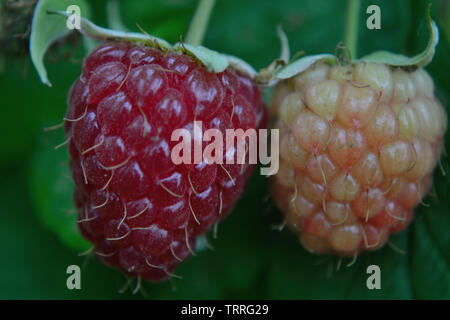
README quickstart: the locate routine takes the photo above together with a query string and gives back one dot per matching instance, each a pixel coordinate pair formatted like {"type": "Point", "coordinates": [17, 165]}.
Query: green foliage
{"type": "Point", "coordinates": [51, 185]}
{"type": "Point", "coordinates": [47, 29]}
{"type": "Point", "coordinates": [250, 260]}
{"type": "Point", "coordinates": [420, 60]}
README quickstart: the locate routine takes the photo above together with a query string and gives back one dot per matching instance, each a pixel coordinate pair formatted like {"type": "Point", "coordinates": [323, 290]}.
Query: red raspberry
{"type": "Point", "coordinates": [142, 212]}
{"type": "Point", "coordinates": [358, 144]}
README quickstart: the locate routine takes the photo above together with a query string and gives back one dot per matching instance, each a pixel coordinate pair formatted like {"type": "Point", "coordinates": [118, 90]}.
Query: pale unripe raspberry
{"type": "Point", "coordinates": [358, 145]}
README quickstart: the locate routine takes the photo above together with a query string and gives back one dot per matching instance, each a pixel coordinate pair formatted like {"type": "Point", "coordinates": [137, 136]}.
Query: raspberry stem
{"type": "Point", "coordinates": [199, 22]}
{"type": "Point", "coordinates": [113, 15]}
{"type": "Point", "coordinates": [351, 27]}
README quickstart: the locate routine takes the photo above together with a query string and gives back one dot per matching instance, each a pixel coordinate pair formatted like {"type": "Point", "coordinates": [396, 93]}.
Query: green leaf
{"type": "Point", "coordinates": [212, 60]}
{"type": "Point", "coordinates": [93, 31]}
{"type": "Point", "coordinates": [52, 189]}
{"type": "Point", "coordinates": [241, 65]}
{"type": "Point", "coordinates": [302, 64]}
{"type": "Point", "coordinates": [46, 29]}
{"type": "Point", "coordinates": [420, 60]}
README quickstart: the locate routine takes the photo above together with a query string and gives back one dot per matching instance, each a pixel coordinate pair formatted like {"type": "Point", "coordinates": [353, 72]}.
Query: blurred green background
{"type": "Point", "coordinates": [250, 260]}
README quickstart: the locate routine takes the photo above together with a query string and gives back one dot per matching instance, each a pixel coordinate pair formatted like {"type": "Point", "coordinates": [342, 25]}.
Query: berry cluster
{"type": "Point", "coordinates": [358, 145]}
{"type": "Point", "coordinates": [141, 212]}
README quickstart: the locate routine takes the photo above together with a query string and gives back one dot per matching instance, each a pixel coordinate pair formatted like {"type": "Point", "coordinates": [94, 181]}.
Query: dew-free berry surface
{"type": "Point", "coordinates": [358, 145]}
{"type": "Point", "coordinates": [141, 212]}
